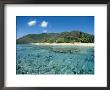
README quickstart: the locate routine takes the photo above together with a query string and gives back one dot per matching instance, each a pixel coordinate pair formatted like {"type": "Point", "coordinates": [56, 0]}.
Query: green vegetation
{"type": "Point", "coordinates": [64, 37]}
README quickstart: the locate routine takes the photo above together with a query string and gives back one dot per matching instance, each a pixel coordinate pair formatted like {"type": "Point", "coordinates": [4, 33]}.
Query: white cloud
{"type": "Point", "coordinates": [44, 31]}
{"type": "Point", "coordinates": [32, 23]}
{"type": "Point", "coordinates": [44, 24]}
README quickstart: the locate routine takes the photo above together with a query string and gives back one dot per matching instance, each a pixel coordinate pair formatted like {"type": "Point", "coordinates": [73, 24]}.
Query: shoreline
{"type": "Point", "coordinates": [75, 44]}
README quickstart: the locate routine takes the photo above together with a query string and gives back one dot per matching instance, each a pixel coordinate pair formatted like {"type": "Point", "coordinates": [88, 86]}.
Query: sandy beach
{"type": "Point", "coordinates": [76, 44]}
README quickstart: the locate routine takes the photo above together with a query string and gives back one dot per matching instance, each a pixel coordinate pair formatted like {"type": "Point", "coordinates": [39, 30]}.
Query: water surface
{"type": "Point", "coordinates": [45, 59]}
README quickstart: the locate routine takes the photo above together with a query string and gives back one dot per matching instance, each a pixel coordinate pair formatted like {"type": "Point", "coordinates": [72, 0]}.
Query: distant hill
{"type": "Point", "coordinates": [64, 37]}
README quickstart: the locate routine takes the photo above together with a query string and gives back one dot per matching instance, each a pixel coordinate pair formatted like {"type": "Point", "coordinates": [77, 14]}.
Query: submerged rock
{"type": "Point", "coordinates": [54, 60]}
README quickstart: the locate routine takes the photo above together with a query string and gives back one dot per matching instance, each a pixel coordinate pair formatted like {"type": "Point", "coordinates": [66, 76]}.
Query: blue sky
{"type": "Point", "coordinates": [53, 24]}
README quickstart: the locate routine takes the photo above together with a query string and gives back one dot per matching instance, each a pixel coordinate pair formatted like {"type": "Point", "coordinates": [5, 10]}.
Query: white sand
{"type": "Point", "coordinates": [76, 44]}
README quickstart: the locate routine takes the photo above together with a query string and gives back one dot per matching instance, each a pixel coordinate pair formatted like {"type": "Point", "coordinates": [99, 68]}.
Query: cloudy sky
{"type": "Point", "coordinates": [51, 24]}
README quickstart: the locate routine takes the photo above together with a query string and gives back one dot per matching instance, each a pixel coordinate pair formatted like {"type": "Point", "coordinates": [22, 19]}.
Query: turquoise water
{"type": "Point", "coordinates": [42, 59]}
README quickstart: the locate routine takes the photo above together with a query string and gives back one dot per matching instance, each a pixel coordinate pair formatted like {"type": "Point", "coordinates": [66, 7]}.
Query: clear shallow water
{"type": "Point", "coordinates": [42, 59]}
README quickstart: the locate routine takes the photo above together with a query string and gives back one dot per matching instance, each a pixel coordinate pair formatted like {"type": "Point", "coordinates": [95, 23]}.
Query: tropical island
{"type": "Point", "coordinates": [55, 45]}
{"type": "Point", "coordinates": [63, 37]}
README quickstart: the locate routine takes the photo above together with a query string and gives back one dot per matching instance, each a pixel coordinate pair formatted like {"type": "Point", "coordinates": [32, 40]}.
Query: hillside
{"type": "Point", "coordinates": [64, 37]}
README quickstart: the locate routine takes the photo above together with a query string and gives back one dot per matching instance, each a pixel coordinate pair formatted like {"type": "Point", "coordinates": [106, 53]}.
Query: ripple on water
{"type": "Point", "coordinates": [36, 59]}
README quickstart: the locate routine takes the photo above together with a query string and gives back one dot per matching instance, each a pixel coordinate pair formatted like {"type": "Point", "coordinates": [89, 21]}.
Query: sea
{"type": "Point", "coordinates": [54, 59]}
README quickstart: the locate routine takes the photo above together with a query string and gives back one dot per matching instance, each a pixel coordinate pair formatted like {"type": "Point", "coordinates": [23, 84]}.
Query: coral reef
{"type": "Point", "coordinates": [38, 59]}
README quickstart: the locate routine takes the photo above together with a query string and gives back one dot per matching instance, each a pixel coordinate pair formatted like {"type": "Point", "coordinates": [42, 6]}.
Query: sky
{"type": "Point", "coordinates": [53, 24]}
